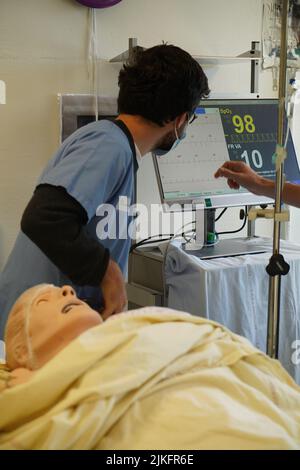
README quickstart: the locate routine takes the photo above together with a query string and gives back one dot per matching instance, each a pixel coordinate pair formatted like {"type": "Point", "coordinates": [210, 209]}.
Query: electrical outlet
{"type": "Point", "coordinates": [2, 92]}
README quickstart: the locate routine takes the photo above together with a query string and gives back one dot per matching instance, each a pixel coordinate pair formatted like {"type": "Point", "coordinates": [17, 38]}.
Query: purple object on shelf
{"type": "Point", "coordinates": [98, 3]}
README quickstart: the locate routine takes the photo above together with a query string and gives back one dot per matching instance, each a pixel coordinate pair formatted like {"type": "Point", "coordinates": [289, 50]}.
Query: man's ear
{"type": "Point", "coordinates": [181, 119]}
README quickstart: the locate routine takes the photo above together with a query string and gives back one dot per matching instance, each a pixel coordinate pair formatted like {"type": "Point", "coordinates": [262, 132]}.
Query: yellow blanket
{"type": "Point", "coordinates": [154, 379]}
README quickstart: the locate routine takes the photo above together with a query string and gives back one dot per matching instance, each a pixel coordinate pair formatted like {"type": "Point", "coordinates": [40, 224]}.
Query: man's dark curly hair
{"type": "Point", "coordinates": [161, 83]}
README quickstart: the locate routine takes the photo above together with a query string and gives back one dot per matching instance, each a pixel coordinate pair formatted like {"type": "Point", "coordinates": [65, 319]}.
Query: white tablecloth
{"type": "Point", "coordinates": [234, 292]}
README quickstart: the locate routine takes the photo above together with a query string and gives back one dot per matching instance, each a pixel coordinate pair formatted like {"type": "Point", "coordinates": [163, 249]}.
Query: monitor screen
{"type": "Point", "coordinates": [237, 130]}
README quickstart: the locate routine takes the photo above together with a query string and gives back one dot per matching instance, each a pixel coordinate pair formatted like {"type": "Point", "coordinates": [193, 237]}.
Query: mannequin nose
{"type": "Point", "coordinates": [67, 290]}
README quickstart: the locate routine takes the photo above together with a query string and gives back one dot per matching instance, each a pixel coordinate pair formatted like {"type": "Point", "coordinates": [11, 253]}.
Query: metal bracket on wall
{"type": "Point", "coordinates": [254, 67]}
{"type": "Point", "coordinates": [254, 54]}
{"type": "Point", "coordinates": [127, 56]}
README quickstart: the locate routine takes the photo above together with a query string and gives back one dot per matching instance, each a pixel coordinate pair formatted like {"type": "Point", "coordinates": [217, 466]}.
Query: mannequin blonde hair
{"type": "Point", "coordinates": [19, 352]}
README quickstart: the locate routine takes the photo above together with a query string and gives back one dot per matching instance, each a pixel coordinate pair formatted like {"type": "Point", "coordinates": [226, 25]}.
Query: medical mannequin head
{"type": "Point", "coordinates": [43, 321]}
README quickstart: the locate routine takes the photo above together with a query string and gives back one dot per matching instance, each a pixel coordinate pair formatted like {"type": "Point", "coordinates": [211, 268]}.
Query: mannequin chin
{"type": "Point", "coordinates": [44, 320]}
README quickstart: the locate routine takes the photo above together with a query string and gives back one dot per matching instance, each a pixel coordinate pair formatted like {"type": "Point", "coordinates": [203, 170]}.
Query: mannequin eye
{"type": "Point", "coordinates": [41, 300]}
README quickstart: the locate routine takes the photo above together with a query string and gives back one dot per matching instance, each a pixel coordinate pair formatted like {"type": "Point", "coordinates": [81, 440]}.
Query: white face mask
{"type": "Point", "coordinates": [162, 152]}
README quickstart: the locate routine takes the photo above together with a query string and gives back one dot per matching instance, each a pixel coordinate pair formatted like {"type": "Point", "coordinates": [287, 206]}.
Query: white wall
{"type": "Point", "coordinates": [43, 46]}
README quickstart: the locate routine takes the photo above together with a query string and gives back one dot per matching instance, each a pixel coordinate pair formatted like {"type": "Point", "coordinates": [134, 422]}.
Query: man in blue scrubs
{"type": "Point", "coordinates": [96, 165]}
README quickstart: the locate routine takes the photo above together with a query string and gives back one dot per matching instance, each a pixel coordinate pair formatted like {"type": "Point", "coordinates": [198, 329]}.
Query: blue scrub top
{"type": "Point", "coordinates": [96, 165]}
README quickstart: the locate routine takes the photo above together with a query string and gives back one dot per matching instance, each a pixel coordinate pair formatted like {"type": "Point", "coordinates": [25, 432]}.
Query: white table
{"type": "Point", "coordinates": [234, 292]}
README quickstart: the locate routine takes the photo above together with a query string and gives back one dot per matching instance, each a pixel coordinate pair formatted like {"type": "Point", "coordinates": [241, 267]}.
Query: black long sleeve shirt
{"type": "Point", "coordinates": [55, 222]}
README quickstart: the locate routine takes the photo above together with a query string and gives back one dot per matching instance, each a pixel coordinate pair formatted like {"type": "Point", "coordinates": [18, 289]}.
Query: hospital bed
{"type": "Point", "coordinates": [153, 379]}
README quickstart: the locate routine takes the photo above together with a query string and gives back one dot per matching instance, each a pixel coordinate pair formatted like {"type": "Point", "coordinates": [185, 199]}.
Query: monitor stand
{"type": "Point", "coordinates": [205, 225]}
{"type": "Point", "coordinates": [225, 248]}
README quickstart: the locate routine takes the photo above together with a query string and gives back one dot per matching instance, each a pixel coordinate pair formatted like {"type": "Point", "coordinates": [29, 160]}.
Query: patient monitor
{"type": "Point", "coordinates": [236, 130]}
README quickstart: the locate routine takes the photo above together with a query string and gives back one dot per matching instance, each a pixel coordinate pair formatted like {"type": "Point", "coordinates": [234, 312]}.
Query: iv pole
{"type": "Point", "coordinates": [277, 259]}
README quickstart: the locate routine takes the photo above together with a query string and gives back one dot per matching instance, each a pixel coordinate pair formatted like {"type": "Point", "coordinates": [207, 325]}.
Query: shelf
{"type": "Point", "coordinates": [124, 56]}
{"type": "Point", "coordinates": [246, 56]}
{"type": "Point", "coordinates": [253, 55]}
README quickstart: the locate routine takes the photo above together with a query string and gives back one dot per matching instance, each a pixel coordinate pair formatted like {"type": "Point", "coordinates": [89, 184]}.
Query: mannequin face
{"type": "Point", "coordinates": [58, 317]}
{"type": "Point", "coordinates": [55, 317]}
